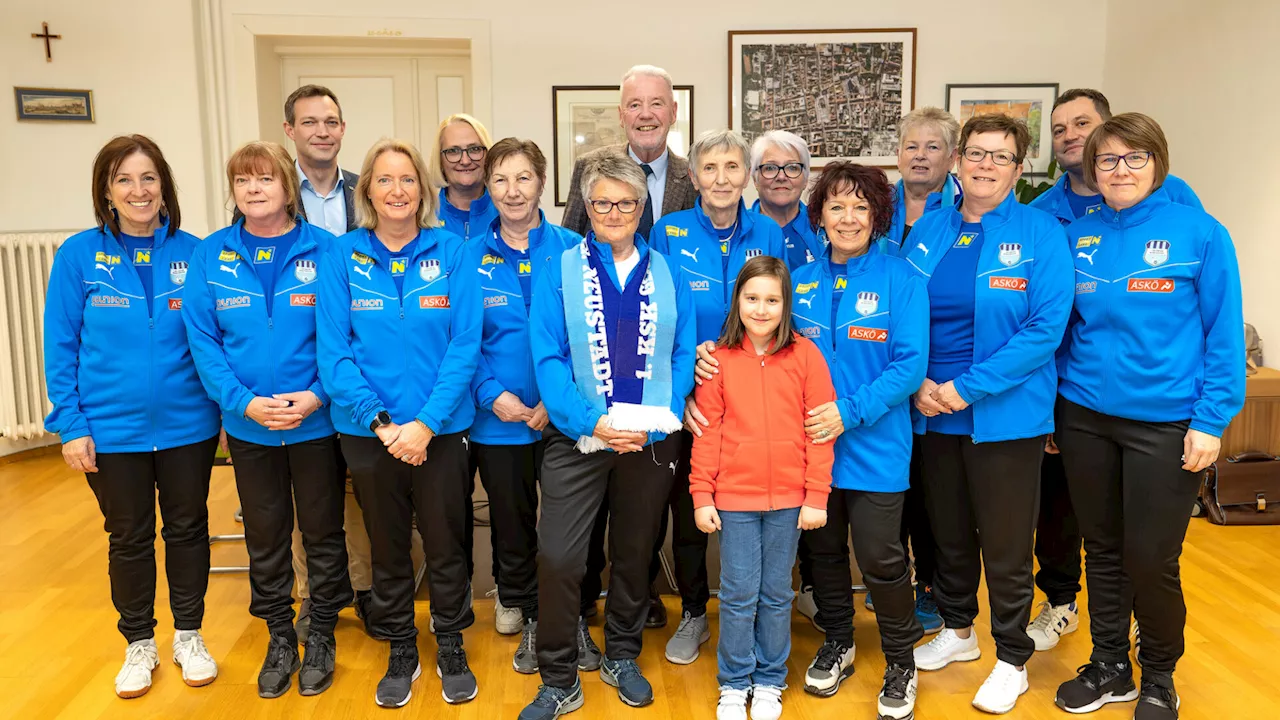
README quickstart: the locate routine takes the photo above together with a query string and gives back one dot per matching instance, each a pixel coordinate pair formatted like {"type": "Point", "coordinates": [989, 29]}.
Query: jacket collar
{"type": "Point", "coordinates": [995, 218]}
{"type": "Point", "coordinates": [231, 239]}
{"type": "Point", "coordinates": [855, 266]}
{"type": "Point", "coordinates": [745, 221]}
{"type": "Point", "coordinates": [159, 235]}
{"type": "Point", "coordinates": [479, 206]}
{"type": "Point", "coordinates": [494, 241]}
{"type": "Point", "coordinates": [427, 239]}
{"type": "Point", "coordinates": [1141, 212]}
{"type": "Point", "coordinates": [799, 223]}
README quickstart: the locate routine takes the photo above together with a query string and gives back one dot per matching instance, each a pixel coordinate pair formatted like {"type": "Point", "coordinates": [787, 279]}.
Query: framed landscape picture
{"type": "Point", "coordinates": [53, 105]}
{"type": "Point", "coordinates": [1030, 103]}
{"type": "Point", "coordinates": [843, 91]}
{"type": "Point", "coordinates": [585, 117]}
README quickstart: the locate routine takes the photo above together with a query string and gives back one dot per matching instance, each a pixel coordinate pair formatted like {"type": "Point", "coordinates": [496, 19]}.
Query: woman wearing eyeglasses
{"type": "Point", "coordinates": [987, 400]}
{"type": "Point", "coordinates": [1151, 375]}
{"type": "Point", "coordinates": [780, 169]}
{"type": "Point", "coordinates": [457, 168]}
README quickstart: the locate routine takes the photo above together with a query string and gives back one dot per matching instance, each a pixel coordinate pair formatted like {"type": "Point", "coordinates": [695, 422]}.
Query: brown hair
{"type": "Point", "coordinates": [108, 162]}
{"type": "Point", "coordinates": [366, 215]}
{"type": "Point", "coordinates": [309, 91]}
{"type": "Point", "coordinates": [1136, 130]}
{"type": "Point", "coordinates": [980, 124]}
{"type": "Point", "coordinates": [734, 331]}
{"type": "Point", "coordinates": [870, 183]}
{"type": "Point", "coordinates": [510, 147]}
{"type": "Point", "coordinates": [262, 157]}
{"type": "Point", "coordinates": [1100, 102]}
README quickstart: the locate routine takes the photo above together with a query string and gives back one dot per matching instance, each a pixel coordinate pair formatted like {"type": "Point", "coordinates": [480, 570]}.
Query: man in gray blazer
{"type": "Point", "coordinates": [313, 121]}
{"type": "Point", "coordinates": [647, 111]}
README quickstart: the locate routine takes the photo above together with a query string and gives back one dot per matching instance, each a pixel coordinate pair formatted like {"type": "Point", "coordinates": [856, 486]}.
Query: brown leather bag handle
{"type": "Point", "coordinates": [1252, 456]}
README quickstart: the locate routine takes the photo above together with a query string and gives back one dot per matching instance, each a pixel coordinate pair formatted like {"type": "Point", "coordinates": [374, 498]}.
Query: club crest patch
{"type": "Point", "coordinates": [304, 270]}
{"type": "Point", "coordinates": [868, 303]}
{"type": "Point", "coordinates": [1010, 254]}
{"type": "Point", "coordinates": [1156, 253]}
{"type": "Point", "coordinates": [178, 272]}
{"type": "Point", "coordinates": [429, 270]}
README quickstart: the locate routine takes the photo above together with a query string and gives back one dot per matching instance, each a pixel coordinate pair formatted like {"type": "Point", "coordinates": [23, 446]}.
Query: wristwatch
{"type": "Point", "coordinates": [382, 419]}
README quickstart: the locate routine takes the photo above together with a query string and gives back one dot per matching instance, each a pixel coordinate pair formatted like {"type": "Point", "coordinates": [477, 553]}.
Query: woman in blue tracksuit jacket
{"type": "Point", "coordinates": [457, 168]}
{"type": "Point", "coordinates": [127, 402]}
{"type": "Point", "coordinates": [1151, 374]}
{"type": "Point", "coordinates": [510, 416]}
{"type": "Point", "coordinates": [999, 281]}
{"type": "Point", "coordinates": [398, 336]}
{"type": "Point", "coordinates": [251, 318]}
{"type": "Point", "coordinates": [869, 314]}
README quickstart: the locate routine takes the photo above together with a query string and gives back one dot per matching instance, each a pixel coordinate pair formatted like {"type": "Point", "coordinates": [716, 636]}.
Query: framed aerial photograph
{"type": "Point", "coordinates": [1030, 103]}
{"type": "Point", "coordinates": [45, 104]}
{"type": "Point", "coordinates": [843, 91]}
{"type": "Point", "coordinates": [585, 118]}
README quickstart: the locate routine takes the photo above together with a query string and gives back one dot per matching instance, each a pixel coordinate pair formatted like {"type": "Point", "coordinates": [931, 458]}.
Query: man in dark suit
{"type": "Point", "coordinates": [313, 121]}
{"type": "Point", "coordinates": [647, 112]}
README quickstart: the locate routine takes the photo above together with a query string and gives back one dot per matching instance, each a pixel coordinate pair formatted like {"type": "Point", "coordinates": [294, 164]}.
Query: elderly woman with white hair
{"type": "Point", "coordinates": [780, 169]}
{"type": "Point", "coordinates": [612, 336]}
{"type": "Point", "coordinates": [927, 151]}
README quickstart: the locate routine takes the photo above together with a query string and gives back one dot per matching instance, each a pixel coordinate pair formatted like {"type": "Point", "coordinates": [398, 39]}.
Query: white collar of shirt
{"type": "Point", "coordinates": [306, 183]}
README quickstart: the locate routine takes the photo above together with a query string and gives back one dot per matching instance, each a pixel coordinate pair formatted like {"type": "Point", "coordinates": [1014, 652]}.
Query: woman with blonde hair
{"type": "Point", "coordinates": [457, 168]}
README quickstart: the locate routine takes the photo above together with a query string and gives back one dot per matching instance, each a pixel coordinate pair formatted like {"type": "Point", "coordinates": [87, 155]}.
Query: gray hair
{"type": "Point", "coordinates": [613, 165]}
{"type": "Point", "coordinates": [782, 140]}
{"type": "Point", "coordinates": [651, 71]}
{"type": "Point", "coordinates": [718, 140]}
{"type": "Point", "coordinates": [934, 117]}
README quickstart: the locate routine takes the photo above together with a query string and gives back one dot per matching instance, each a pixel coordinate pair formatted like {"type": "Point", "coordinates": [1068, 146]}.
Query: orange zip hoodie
{"type": "Point", "coordinates": [754, 456]}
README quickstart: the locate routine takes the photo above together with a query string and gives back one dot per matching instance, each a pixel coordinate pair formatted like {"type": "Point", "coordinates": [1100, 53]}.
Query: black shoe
{"type": "Point", "coordinates": [1095, 685]}
{"type": "Point", "coordinates": [552, 702]}
{"type": "Point", "coordinates": [279, 666]}
{"type": "Point", "coordinates": [1158, 700]}
{"type": "Point", "coordinates": [457, 683]}
{"type": "Point", "coordinates": [361, 603]}
{"type": "Point", "coordinates": [302, 626]}
{"type": "Point", "coordinates": [317, 664]}
{"type": "Point", "coordinates": [394, 689]}
{"type": "Point", "coordinates": [590, 611]}
{"type": "Point", "coordinates": [589, 656]}
{"type": "Point", "coordinates": [657, 617]}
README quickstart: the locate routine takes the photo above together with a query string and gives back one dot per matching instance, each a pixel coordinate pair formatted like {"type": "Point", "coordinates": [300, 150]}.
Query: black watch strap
{"type": "Point", "coordinates": [381, 419]}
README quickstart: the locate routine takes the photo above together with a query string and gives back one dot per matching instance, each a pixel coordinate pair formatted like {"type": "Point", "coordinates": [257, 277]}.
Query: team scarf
{"type": "Point", "coordinates": [621, 342]}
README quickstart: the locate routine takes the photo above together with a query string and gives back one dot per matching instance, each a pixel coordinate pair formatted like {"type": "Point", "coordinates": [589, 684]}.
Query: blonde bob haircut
{"type": "Point", "coordinates": [366, 216]}
{"type": "Point", "coordinates": [262, 157]}
{"type": "Point", "coordinates": [437, 154]}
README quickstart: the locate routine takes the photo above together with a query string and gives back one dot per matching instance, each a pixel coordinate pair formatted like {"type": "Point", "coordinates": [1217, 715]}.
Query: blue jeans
{"type": "Point", "coordinates": [757, 551]}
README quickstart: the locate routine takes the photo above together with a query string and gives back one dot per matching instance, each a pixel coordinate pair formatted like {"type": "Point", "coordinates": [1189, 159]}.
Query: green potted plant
{"type": "Point", "coordinates": [1027, 192]}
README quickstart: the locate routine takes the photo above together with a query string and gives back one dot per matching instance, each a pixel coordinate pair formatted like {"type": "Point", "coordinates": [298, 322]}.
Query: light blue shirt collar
{"type": "Point", "coordinates": [305, 183]}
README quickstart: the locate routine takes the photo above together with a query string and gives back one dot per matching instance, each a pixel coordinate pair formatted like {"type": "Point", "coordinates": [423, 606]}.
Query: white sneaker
{"type": "Point", "coordinates": [1001, 690]}
{"type": "Point", "coordinates": [807, 606]}
{"type": "Point", "coordinates": [945, 648]}
{"type": "Point", "coordinates": [733, 704]}
{"type": "Point", "coordinates": [134, 678]}
{"type": "Point", "coordinates": [507, 620]}
{"type": "Point", "coordinates": [766, 702]}
{"type": "Point", "coordinates": [1052, 622]}
{"type": "Point", "coordinates": [897, 699]}
{"type": "Point", "coordinates": [190, 654]}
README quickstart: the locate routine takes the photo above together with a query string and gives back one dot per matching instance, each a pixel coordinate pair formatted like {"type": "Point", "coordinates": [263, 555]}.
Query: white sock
{"type": "Point", "coordinates": [184, 635]}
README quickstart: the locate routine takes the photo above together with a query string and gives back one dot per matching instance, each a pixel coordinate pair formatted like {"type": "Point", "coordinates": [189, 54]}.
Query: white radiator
{"type": "Point", "coordinates": [25, 261]}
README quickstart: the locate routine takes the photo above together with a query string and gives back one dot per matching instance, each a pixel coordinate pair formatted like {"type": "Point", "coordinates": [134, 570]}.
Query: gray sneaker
{"type": "Point", "coordinates": [525, 661]}
{"type": "Point", "coordinates": [589, 657]}
{"type": "Point", "coordinates": [682, 648]}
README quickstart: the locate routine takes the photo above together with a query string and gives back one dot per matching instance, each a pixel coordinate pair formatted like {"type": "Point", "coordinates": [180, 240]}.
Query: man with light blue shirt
{"type": "Point", "coordinates": [313, 121]}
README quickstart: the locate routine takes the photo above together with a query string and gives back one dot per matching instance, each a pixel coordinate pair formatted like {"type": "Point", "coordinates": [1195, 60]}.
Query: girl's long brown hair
{"type": "Point", "coordinates": [734, 331]}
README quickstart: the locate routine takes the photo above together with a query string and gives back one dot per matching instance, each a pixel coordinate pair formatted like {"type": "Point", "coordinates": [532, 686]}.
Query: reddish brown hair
{"type": "Point", "coordinates": [108, 162]}
{"type": "Point", "coordinates": [867, 182]}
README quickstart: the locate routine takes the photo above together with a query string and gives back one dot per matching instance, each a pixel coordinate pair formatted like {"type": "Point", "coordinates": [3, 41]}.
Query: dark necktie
{"type": "Point", "coordinates": [646, 218]}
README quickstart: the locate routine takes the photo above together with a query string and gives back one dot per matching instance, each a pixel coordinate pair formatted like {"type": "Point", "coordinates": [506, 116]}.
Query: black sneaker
{"type": "Point", "coordinates": [279, 666]}
{"type": "Point", "coordinates": [589, 656]}
{"type": "Point", "coordinates": [302, 626]}
{"type": "Point", "coordinates": [657, 617]}
{"type": "Point", "coordinates": [552, 702]}
{"type": "Point", "coordinates": [457, 683]}
{"type": "Point", "coordinates": [1158, 700]}
{"type": "Point", "coordinates": [361, 604]}
{"type": "Point", "coordinates": [1095, 685]}
{"type": "Point", "coordinates": [317, 664]}
{"type": "Point", "coordinates": [625, 675]}
{"type": "Point", "coordinates": [394, 689]}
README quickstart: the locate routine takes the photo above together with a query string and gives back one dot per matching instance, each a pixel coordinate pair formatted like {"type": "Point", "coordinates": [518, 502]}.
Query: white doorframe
{"type": "Point", "coordinates": [228, 31]}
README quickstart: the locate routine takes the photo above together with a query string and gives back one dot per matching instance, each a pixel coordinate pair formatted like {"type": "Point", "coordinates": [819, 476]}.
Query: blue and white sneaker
{"type": "Point", "coordinates": [625, 675]}
{"type": "Point", "coordinates": [927, 610]}
{"type": "Point", "coordinates": [552, 702]}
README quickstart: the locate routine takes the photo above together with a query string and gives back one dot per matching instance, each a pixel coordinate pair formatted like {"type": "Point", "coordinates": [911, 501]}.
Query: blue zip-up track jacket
{"type": "Point", "coordinates": [802, 243]}
{"type": "Point", "coordinates": [1056, 202]}
{"type": "Point", "coordinates": [950, 196]}
{"type": "Point", "coordinates": [118, 368]}
{"type": "Point", "coordinates": [471, 224]}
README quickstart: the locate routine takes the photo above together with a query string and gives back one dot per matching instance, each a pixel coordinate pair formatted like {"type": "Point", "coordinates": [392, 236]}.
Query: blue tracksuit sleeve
{"type": "Point", "coordinates": [658, 241]}
{"type": "Point", "coordinates": [685, 347]}
{"type": "Point", "coordinates": [339, 374]}
{"type": "Point", "coordinates": [63, 318]}
{"type": "Point", "coordinates": [1218, 289]}
{"type": "Point", "coordinates": [205, 338]}
{"type": "Point", "coordinates": [485, 388]}
{"type": "Point", "coordinates": [1050, 293]}
{"type": "Point", "coordinates": [553, 368]}
{"type": "Point", "coordinates": [908, 358]}
{"type": "Point", "coordinates": [458, 366]}
{"type": "Point", "coordinates": [317, 388]}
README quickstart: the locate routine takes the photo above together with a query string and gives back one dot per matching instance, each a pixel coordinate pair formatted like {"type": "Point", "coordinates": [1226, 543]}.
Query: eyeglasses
{"type": "Point", "coordinates": [454, 154]}
{"type": "Point", "coordinates": [1135, 160]}
{"type": "Point", "coordinates": [1000, 157]}
{"type": "Point", "coordinates": [604, 207]}
{"type": "Point", "coordinates": [792, 170]}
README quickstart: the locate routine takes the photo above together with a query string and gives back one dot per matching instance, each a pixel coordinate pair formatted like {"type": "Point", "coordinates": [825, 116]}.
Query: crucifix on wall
{"type": "Point", "coordinates": [48, 49]}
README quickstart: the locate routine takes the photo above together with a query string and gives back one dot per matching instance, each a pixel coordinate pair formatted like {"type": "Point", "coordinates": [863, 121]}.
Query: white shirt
{"type": "Point", "coordinates": [624, 267]}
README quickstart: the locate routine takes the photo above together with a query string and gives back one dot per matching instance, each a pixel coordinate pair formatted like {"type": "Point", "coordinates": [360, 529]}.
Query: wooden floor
{"type": "Point", "coordinates": [59, 649]}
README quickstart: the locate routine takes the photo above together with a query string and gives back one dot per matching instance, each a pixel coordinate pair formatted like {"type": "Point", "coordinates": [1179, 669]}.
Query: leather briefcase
{"type": "Point", "coordinates": [1244, 489]}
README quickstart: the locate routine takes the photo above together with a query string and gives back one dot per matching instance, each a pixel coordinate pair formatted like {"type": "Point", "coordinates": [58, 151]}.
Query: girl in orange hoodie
{"type": "Point", "coordinates": [759, 481]}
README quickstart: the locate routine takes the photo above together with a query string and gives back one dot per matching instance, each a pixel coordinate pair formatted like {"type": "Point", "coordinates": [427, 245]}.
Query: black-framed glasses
{"type": "Point", "coordinates": [975, 154]}
{"type": "Point", "coordinates": [1135, 160]}
{"type": "Point", "coordinates": [792, 170]}
{"type": "Point", "coordinates": [454, 154]}
{"type": "Point", "coordinates": [604, 207]}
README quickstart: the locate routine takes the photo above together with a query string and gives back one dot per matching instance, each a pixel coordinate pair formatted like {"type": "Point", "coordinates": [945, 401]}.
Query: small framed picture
{"type": "Point", "coordinates": [1030, 103]}
{"type": "Point", "coordinates": [47, 104]}
{"type": "Point", "coordinates": [585, 117]}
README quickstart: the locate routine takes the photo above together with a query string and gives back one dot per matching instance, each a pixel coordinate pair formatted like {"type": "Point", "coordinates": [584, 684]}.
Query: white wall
{"type": "Point", "coordinates": [1206, 71]}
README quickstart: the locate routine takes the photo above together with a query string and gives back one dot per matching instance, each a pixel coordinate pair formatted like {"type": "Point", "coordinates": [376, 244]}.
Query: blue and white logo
{"type": "Point", "coordinates": [1157, 253]}
{"type": "Point", "coordinates": [1010, 254]}
{"type": "Point", "coordinates": [754, 252]}
{"type": "Point", "coordinates": [429, 270]}
{"type": "Point", "coordinates": [178, 272]}
{"type": "Point", "coordinates": [305, 270]}
{"type": "Point", "coordinates": [868, 303]}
